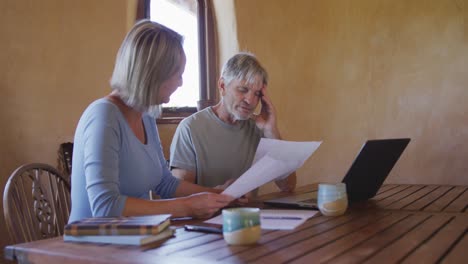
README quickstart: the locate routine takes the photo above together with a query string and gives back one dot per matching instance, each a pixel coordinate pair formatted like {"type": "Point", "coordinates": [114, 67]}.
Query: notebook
{"type": "Point", "coordinates": [138, 240]}
{"type": "Point", "coordinates": [131, 225]}
{"type": "Point", "coordinates": [364, 178]}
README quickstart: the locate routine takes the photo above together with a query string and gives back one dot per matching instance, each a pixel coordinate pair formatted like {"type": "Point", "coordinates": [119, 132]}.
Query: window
{"type": "Point", "coordinates": [194, 20]}
{"type": "Point", "coordinates": [183, 19]}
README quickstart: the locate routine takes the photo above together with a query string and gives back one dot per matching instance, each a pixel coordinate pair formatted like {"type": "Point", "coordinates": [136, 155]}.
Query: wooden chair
{"type": "Point", "coordinates": [65, 154]}
{"type": "Point", "coordinates": [36, 203]}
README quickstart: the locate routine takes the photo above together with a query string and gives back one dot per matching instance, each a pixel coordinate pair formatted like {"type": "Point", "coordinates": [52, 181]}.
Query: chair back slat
{"type": "Point", "coordinates": [65, 155]}
{"type": "Point", "coordinates": [36, 203]}
{"type": "Point", "coordinates": [63, 213]}
{"type": "Point", "coordinates": [22, 196]}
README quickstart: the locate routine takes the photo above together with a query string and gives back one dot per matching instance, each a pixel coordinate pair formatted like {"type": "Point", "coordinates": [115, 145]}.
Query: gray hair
{"type": "Point", "coordinates": [149, 55]}
{"type": "Point", "coordinates": [243, 66]}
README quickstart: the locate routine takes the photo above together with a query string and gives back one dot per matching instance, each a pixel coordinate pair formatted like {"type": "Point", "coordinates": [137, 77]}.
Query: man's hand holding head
{"type": "Point", "coordinates": [266, 120]}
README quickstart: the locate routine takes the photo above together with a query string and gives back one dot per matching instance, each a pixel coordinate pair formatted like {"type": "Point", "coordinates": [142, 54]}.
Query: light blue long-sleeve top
{"type": "Point", "coordinates": [110, 163]}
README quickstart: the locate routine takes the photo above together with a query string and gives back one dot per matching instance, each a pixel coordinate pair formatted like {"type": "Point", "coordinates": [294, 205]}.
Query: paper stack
{"type": "Point", "coordinates": [274, 159]}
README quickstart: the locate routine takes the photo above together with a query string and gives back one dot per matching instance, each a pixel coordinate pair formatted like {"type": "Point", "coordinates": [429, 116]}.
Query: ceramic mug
{"type": "Point", "coordinates": [241, 226]}
{"type": "Point", "coordinates": [332, 199]}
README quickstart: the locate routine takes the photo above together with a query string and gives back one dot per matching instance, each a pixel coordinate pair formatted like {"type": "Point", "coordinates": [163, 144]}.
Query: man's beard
{"type": "Point", "coordinates": [238, 116]}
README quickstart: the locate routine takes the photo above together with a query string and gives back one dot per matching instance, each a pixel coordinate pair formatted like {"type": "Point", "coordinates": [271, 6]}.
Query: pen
{"type": "Point", "coordinates": [208, 229]}
{"type": "Point", "coordinates": [282, 217]}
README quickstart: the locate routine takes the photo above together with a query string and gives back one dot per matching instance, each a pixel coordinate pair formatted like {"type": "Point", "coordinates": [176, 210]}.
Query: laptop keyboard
{"type": "Point", "coordinates": [313, 200]}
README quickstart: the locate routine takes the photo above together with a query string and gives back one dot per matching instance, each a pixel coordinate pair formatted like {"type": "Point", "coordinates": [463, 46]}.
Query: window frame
{"type": "Point", "coordinates": [207, 62]}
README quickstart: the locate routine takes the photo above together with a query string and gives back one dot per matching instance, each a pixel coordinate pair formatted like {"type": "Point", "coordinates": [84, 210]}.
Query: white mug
{"type": "Point", "coordinates": [241, 226]}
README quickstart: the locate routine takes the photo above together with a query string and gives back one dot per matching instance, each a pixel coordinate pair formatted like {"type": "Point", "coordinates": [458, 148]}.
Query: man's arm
{"type": "Point", "coordinates": [189, 176]}
{"type": "Point", "coordinates": [185, 175]}
{"type": "Point", "coordinates": [182, 154]}
{"type": "Point", "coordinates": [266, 122]}
{"type": "Point", "coordinates": [288, 184]}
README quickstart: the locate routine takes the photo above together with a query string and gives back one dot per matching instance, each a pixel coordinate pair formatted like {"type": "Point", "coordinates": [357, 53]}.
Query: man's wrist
{"type": "Point", "coordinates": [216, 190]}
{"type": "Point", "coordinates": [273, 134]}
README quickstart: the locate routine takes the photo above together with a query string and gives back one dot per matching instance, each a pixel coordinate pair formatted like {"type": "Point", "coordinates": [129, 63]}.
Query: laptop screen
{"type": "Point", "coordinates": [372, 166]}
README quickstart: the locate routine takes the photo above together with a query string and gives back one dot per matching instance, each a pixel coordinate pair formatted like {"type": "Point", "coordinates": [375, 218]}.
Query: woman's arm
{"type": "Point", "coordinates": [200, 205]}
{"type": "Point", "coordinates": [187, 188]}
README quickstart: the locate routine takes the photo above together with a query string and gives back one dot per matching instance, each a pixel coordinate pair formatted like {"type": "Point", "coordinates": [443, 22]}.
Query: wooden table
{"type": "Point", "coordinates": [402, 223]}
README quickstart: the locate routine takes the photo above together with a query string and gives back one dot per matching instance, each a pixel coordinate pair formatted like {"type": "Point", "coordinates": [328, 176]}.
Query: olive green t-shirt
{"type": "Point", "coordinates": [216, 151]}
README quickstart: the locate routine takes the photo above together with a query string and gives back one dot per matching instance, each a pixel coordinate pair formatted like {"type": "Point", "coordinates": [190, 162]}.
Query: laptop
{"type": "Point", "coordinates": [367, 173]}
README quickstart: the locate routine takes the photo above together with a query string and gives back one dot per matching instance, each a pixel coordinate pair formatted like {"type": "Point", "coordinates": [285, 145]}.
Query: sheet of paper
{"type": "Point", "coordinates": [305, 214]}
{"type": "Point", "coordinates": [276, 219]}
{"type": "Point", "coordinates": [264, 171]}
{"type": "Point", "coordinates": [273, 160]}
{"type": "Point", "coordinates": [284, 219]}
{"type": "Point", "coordinates": [285, 150]}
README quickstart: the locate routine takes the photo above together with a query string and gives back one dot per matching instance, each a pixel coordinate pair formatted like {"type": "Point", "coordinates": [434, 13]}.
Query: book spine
{"type": "Point", "coordinates": [115, 231]}
{"type": "Point", "coordinates": [122, 240]}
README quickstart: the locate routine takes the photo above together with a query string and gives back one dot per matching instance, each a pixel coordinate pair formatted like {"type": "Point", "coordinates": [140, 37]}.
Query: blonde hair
{"type": "Point", "coordinates": [149, 55]}
{"type": "Point", "coordinates": [244, 66]}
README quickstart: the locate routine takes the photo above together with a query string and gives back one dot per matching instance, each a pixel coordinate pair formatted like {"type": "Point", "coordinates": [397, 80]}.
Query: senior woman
{"type": "Point", "coordinates": [117, 156]}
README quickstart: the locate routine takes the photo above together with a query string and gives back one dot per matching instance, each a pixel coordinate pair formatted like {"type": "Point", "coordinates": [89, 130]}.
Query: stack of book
{"type": "Point", "coordinates": [136, 230]}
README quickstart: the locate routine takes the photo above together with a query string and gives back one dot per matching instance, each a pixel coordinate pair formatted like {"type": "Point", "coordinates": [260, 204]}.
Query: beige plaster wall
{"type": "Point", "coordinates": [346, 71]}
{"type": "Point", "coordinates": [226, 27]}
{"type": "Point", "coordinates": [56, 57]}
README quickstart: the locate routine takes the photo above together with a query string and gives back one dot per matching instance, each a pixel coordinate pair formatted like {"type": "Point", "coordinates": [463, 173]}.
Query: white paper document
{"type": "Point", "coordinates": [274, 159]}
{"type": "Point", "coordinates": [276, 219]}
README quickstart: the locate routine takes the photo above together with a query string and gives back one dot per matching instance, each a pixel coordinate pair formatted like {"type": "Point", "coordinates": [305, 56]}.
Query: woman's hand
{"type": "Point", "coordinates": [225, 185]}
{"type": "Point", "coordinates": [204, 205]}
{"type": "Point", "coordinates": [239, 201]}
{"type": "Point", "coordinates": [243, 200]}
